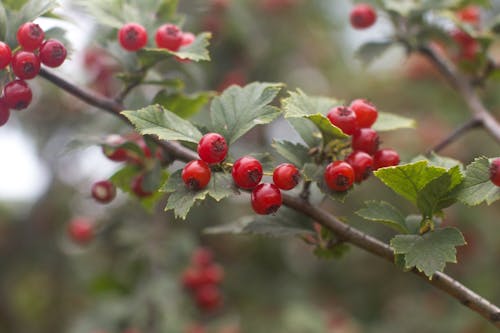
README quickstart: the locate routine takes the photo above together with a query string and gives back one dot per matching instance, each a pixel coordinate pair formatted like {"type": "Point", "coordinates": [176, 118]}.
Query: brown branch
{"type": "Point", "coordinates": [453, 136]}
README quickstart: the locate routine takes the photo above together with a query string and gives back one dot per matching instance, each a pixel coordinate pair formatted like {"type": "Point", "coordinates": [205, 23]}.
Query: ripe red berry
{"type": "Point", "coordinates": [137, 187]}
{"type": "Point", "coordinates": [495, 171]}
{"type": "Point", "coordinates": [212, 274]}
{"type": "Point", "coordinates": [286, 176]}
{"type": "Point", "coordinates": [366, 112]}
{"type": "Point", "coordinates": [212, 148]}
{"type": "Point", "coordinates": [344, 118]}
{"type": "Point", "coordinates": [81, 230]}
{"type": "Point", "coordinates": [366, 139]}
{"type": "Point", "coordinates": [168, 36]}
{"type": "Point", "coordinates": [469, 14]}
{"type": "Point", "coordinates": [111, 151]}
{"type": "Point", "coordinates": [25, 65]}
{"type": "Point", "coordinates": [363, 16]}
{"type": "Point", "coordinates": [196, 175]}
{"type": "Point", "coordinates": [192, 278]}
{"type": "Point", "coordinates": [5, 55]}
{"type": "Point", "coordinates": [208, 297]}
{"type": "Point", "coordinates": [362, 163]}
{"type": "Point", "coordinates": [187, 38]}
{"type": "Point", "coordinates": [52, 53]}
{"type": "Point", "coordinates": [30, 36]}
{"type": "Point", "coordinates": [202, 257]}
{"type": "Point", "coordinates": [132, 36]}
{"type": "Point", "coordinates": [103, 191]}
{"type": "Point", "coordinates": [339, 176]}
{"type": "Point", "coordinates": [17, 94]}
{"type": "Point", "coordinates": [4, 112]}
{"type": "Point", "coordinates": [247, 172]}
{"type": "Point", "coordinates": [385, 158]}
{"type": "Point", "coordinates": [266, 199]}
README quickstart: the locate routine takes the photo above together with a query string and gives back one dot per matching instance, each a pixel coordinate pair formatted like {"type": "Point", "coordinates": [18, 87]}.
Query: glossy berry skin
{"type": "Point", "coordinates": [208, 298]}
{"type": "Point", "coordinates": [196, 175]}
{"type": "Point", "coordinates": [362, 163]}
{"type": "Point", "coordinates": [339, 176]}
{"type": "Point", "coordinates": [81, 230]}
{"type": "Point", "coordinates": [247, 172]}
{"type": "Point", "coordinates": [212, 148]}
{"type": "Point", "coordinates": [362, 16]}
{"type": "Point", "coordinates": [132, 37]}
{"type": "Point", "coordinates": [495, 171]}
{"type": "Point", "coordinates": [366, 139]}
{"type": "Point", "coordinates": [25, 65]}
{"type": "Point", "coordinates": [366, 112]}
{"type": "Point", "coordinates": [17, 95]}
{"type": "Point", "coordinates": [5, 55]}
{"type": "Point", "coordinates": [4, 112]}
{"type": "Point", "coordinates": [53, 53]}
{"type": "Point", "coordinates": [137, 187]}
{"type": "Point", "coordinates": [385, 158]}
{"type": "Point", "coordinates": [103, 191]}
{"type": "Point", "coordinates": [286, 176]}
{"type": "Point", "coordinates": [266, 199]}
{"type": "Point", "coordinates": [30, 36]}
{"type": "Point", "coordinates": [168, 36]}
{"type": "Point", "coordinates": [344, 118]}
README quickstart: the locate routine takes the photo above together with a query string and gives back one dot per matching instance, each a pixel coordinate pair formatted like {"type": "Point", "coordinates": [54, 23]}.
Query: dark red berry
{"type": "Point", "coordinates": [495, 171]}
{"type": "Point", "coordinates": [196, 175]}
{"type": "Point", "coordinates": [385, 158]}
{"type": "Point", "coordinates": [366, 112]}
{"type": "Point", "coordinates": [30, 36]}
{"type": "Point", "coordinates": [366, 139]}
{"type": "Point", "coordinates": [168, 36]}
{"type": "Point", "coordinates": [212, 148]}
{"type": "Point", "coordinates": [132, 36]}
{"type": "Point", "coordinates": [25, 65]}
{"type": "Point", "coordinates": [212, 274]}
{"type": "Point", "coordinates": [81, 230]}
{"type": "Point", "coordinates": [247, 172]}
{"type": "Point", "coordinates": [4, 112]}
{"type": "Point", "coordinates": [202, 257]}
{"type": "Point", "coordinates": [52, 53]}
{"type": "Point", "coordinates": [5, 55]}
{"type": "Point", "coordinates": [208, 297]}
{"type": "Point", "coordinates": [339, 176]}
{"type": "Point", "coordinates": [344, 118]}
{"type": "Point", "coordinates": [266, 199]}
{"type": "Point", "coordinates": [286, 176]}
{"type": "Point", "coordinates": [17, 95]}
{"type": "Point", "coordinates": [103, 191]}
{"type": "Point", "coordinates": [137, 187]}
{"type": "Point", "coordinates": [362, 163]}
{"type": "Point", "coordinates": [363, 16]}
{"type": "Point", "coordinates": [111, 151]}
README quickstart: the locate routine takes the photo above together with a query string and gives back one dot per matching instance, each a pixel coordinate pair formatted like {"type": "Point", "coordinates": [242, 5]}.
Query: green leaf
{"type": "Point", "coordinates": [388, 122]}
{"type": "Point", "coordinates": [166, 125]}
{"type": "Point", "coordinates": [295, 153]}
{"type": "Point", "coordinates": [370, 51]}
{"type": "Point", "coordinates": [477, 187]}
{"type": "Point", "coordinates": [307, 131]}
{"type": "Point", "coordinates": [185, 106]}
{"type": "Point", "coordinates": [429, 197]}
{"type": "Point", "coordinates": [328, 131]}
{"type": "Point", "coordinates": [385, 213]}
{"type": "Point", "coordinates": [430, 252]}
{"type": "Point", "coordinates": [439, 161]}
{"type": "Point", "coordinates": [238, 109]}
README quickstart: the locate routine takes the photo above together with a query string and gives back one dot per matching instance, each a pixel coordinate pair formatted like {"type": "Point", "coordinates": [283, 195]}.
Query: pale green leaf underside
{"type": "Point", "coordinates": [295, 153]}
{"type": "Point", "coordinates": [385, 213]}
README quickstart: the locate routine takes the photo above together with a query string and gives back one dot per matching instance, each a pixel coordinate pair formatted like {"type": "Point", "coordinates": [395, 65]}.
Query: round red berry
{"type": "Point", "coordinates": [363, 16]}
{"type": "Point", "coordinates": [208, 297]}
{"type": "Point", "coordinates": [5, 55]}
{"type": "Point", "coordinates": [202, 257]}
{"type": "Point", "coordinates": [192, 278]}
{"type": "Point", "coordinates": [344, 118]}
{"type": "Point", "coordinates": [111, 151]}
{"type": "Point", "coordinates": [168, 36]}
{"type": "Point", "coordinates": [4, 112]}
{"type": "Point", "coordinates": [103, 191]}
{"type": "Point", "coordinates": [266, 199]}
{"type": "Point", "coordinates": [247, 172]}
{"type": "Point", "coordinates": [187, 38]}
{"type": "Point", "coordinates": [495, 171]}
{"type": "Point", "coordinates": [17, 95]}
{"type": "Point", "coordinates": [212, 148]}
{"type": "Point", "coordinates": [25, 65]}
{"type": "Point", "coordinates": [196, 175]}
{"type": "Point", "coordinates": [469, 14]}
{"type": "Point", "coordinates": [385, 158]}
{"type": "Point", "coordinates": [366, 139]}
{"type": "Point", "coordinates": [30, 36]}
{"type": "Point", "coordinates": [52, 53]}
{"type": "Point", "coordinates": [366, 112]}
{"type": "Point", "coordinates": [132, 36]}
{"type": "Point", "coordinates": [339, 176]}
{"type": "Point", "coordinates": [286, 176]}
{"type": "Point", "coordinates": [137, 187]}
{"type": "Point", "coordinates": [362, 163]}
{"type": "Point", "coordinates": [212, 274]}
{"type": "Point", "coordinates": [81, 230]}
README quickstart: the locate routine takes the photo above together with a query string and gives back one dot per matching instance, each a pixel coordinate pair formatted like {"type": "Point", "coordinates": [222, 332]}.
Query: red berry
{"type": "Point", "coordinates": [339, 176]}
{"type": "Point", "coordinates": [266, 199]}
{"type": "Point", "coordinates": [137, 187]}
{"type": "Point", "coordinates": [103, 191]}
{"type": "Point", "coordinates": [212, 274]}
{"type": "Point", "coordinates": [30, 36]}
{"type": "Point", "coordinates": [344, 118]}
{"type": "Point", "coordinates": [366, 139]}
{"type": "Point", "coordinates": [495, 171]}
{"type": "Point", "coordinates": [385, 158]}
{"type": "Point", "coordinates": [4, 112]}
{"type": "Point", "coordinates": [168, 36]}
{"type": "Point", "coordinates": [366, 112]}
{"type": "Point", "coordinates": [81, 230]}
{"type": "Point", "coordinates": [113, 153]}
{"type": "Point", "coordinates": [212, 148]}
{"type": "Point", "coordinates": [286, 176]}
{"type": "Point", "coordinates": [363, 16]}
{"type": "Point", "coordinates": [132, 36]}
{"type": "Point", "coordinates": [247, 172]}
{"type": "Point", "coordinates": [362, 163]}
{"type": "Point", "coordinates": [469, 14]}
{"type": "Point", "coordinates": [5, 55]}
{"type": "Point", "coordinates": [26, 65]}
{"type": "Point", "coordinates": [208, 297]}
{"type": "Point", "coordinates": [187, 38]}
{"type": "Point", "coordinates": [17, 95]}
{"type": "Point", "coordinates": [196, 175]}
{"type": "Point", "coordinates": [202, 257]}
{"type": "Point", "coordinates": [192, 278]}
{"type": "Point", "coordinates": [52, 53]}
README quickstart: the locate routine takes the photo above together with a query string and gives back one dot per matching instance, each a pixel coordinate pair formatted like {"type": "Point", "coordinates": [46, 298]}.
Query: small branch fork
{"type": "Point", "coordinates": [344, 231]}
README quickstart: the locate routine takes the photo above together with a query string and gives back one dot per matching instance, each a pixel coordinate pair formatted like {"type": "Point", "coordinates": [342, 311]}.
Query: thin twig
{"type": "Point", "coordinates": [453, 136]}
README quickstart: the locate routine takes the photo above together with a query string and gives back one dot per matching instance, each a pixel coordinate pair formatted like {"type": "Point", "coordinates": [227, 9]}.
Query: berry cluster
{"type": "Point", "coordinates": [495, 171]}
{"type": "Point", "coordinates": [25, 64]}
{"type": "Point", "coordinates": [81, 230]}
{"type": "Point", "coordinates": [202, 280]}
{"type": "Point", "coordinates": [362, 16]}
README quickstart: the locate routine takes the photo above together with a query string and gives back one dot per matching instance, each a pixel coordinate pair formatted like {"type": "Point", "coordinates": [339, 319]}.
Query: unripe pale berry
{"type": "Point", "coordinates": [495, 171]}
{"type": "Point", "coordinates": [103, 191]}
{"type": "Point", "coordinates": [5, 55]}
{"type": "Point", "coordinates": [196, 175]}
{"type": "Point", "coordinates": [344, 118]}
{"type": "Point", "coordinates": [17, 95]}
{"type": "Point", "coordinates": [362, 163]}
{"type": "Point", "coordinates": [81, 230]}
{"type": "Point", "coordinates": [286, 176]}
{"type": "Point", "coordinates": [362, 16]}
{"type": "Point", "coordinates": [168, 36]}
{"type": "Point", "coordinates": [25, 65]}
{"type": "Point", "coordinates": [30, 36]}
{"type": "Point", "coordinates": [247, 172]}
{"type": "Point", "coordinates": [266, 199]}
{"type": "Point", "coordinates": [53, 53]}
{"type": "Point", "coordinates": [212, 148]}
{"type": "Point", "coordinates": [366, 112]}
{"type": "Point", "coordinates": [132, 36]}
{"type": "Point", "coordinates": [385, 158]}
{"type": "Point", "coordinates": [339, 176]}
{"type": "Point", "coordinates": [366, 139]}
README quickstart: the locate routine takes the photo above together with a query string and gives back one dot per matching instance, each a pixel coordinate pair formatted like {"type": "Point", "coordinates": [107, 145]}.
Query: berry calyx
{"type": "Point", "coordinates": [339, 176]}
{"type": "Point", "coordinates": [132, 37]}
{"type": "Point", "coordinates": [385, 158]}
{"type": "Point", "coordinates": [4, 112]}
{"type": "Point", "coordinates": [53, 53]}
{"type": "Point", "coordinates": [81, 230]}
{"type": "Point", "coordinates": [103, 191]}
{"type": "Point", "coordinates": [168, 36]}
{"type": "Point", "coordinates": [286, 176]}
{"type": "Point", "coordinates": [212, 148]}
{"type": "Point", "coordinates": [137, 187]}
{"type": "Point", "coordinates": [366, 112]}
{"type": "Point", "coordinates": [196, 175]}
{"type": "Point", "coordinates": [30, 36]}
{"type": "Point", "coordinates": [362, 16]}
{"type": "Point", "coordinates": [266, 199]}
{"type": "Point", "coordinates": [17, 94]}
{"type": "Point", "coordinates": [344, 118]}
{"type": "Point", "coordinates": [362, 163]}
{"type": "Point", "coordinates": [495, 171]}
{"type": "Point", "coordinates": [247, 172]}
{"type": "Point", "coordinates": [5, 55]}
{"type": "Point", "coordinates": [366, 139]}
{"type": "Point", "coordinates": [25, 65]}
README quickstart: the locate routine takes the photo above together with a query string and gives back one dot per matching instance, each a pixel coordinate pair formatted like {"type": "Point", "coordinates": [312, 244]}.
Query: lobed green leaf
{"type": "Point", "coordinates": [477, 187]}
{"type": "Point", "coordinates": [385, 213]}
